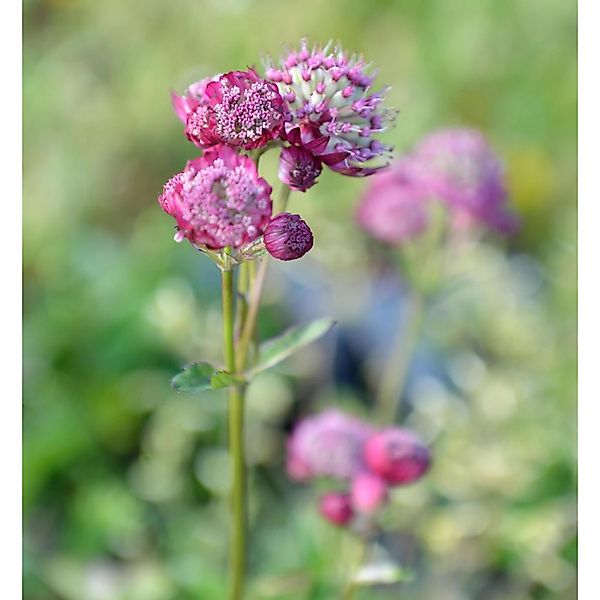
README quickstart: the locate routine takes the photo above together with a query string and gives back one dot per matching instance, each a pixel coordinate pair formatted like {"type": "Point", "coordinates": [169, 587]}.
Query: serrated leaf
{"type": "Point", "coordinates": [223, 379]}
{"type": "Point", "coordinates": [277, 349]}
{"type": "Point", "coordinates": [194, 378]}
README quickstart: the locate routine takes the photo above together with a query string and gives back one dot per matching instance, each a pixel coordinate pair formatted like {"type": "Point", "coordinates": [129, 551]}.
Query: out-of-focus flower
{"type": "Point", "coordinates": [239, 109]}
{"type": "Point", "coordinates": [336, 508]}
{"type": "Point", "coordinates": [288, 237]}
{"type": "Point", "coordinates": [327, 445]}
{"type": "Point", "coordinates": [299, 168]}
{"type": "Point", "coordinates": [369, 492]}
{"type": "Point", "coordinates": [393, 208]}
{"type": "Point", "coordinates": [218, 200]}
{"type": "Point", "coordinates": [332, 109]}
{"type": "Point", "coordinates": [397, 455]}
{"type": "Point", "coordinates": [459, 167]}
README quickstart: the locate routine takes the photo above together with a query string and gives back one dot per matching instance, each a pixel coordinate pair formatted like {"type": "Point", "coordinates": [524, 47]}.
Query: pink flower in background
{"type": "Point", "coordinates": [459, 167]}
{"type": "Point", "coordinates": [397, 455]}
{"type": "Point", "coordinates": [327, 445]}
{"type": "Point", "coordinates": [239, 109]}
{"type": "Point", "coordinates": [336, 508]}
{"type": "Point", "coordinates": [218, 200]}
{"type": "Point", "coordinates": [299, 168]}
{"type": "Point", "coordinates": [288, 237]}
{"type": "Point", "coordinates": [393, 208]}
{"type": "Point", "coordinates": [369, 492]}
{"type": "Point", "coordinates": [332, 109]}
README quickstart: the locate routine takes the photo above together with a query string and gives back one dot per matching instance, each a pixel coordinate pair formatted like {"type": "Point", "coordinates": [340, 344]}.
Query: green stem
{"type": "Point", "coordinates": [249, 326]}
{"type": "Point", "coordinates": [396, 369]}
{"type": "Point", "coordinates": [236, 448]}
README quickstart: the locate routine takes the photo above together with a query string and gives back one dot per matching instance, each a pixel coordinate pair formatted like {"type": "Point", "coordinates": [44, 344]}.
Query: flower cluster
{"type": "Point", "coordinates": [456, 167]}
{"type": "Point", "coordinates": [318, 106]}
{"type": "Point", "coordinates": [365, 460]}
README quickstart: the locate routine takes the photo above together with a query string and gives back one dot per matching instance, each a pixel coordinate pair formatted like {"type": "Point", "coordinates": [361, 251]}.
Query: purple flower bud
{"type": "Point", "coordinates": [397, 455]}
{"type": "Point", "coordinates": [299, 168]}
{"type": "Point", "coordinates": [288, 237]}
{"type": "Point", "coordinates": [336, 508]}
{"type": "Point", "coordinates": [369, 492]}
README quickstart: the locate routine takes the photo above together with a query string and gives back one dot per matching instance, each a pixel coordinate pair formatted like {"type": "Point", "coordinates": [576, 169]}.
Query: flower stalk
{"type": "Point", "coordinates": [236, 446]}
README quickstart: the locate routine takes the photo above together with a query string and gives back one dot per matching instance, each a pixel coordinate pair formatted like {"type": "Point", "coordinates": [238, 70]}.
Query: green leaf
{"type": "Point", "coordinates": [194, 378]}
{"type": "Point", "coordinates": [277, 349]}
{"type": "Point", "coordinates": [223, 379]}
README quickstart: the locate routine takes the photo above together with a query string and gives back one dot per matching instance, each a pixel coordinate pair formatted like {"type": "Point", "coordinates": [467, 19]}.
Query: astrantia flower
{"type": "Point", "coordinates": [336, 508]}
{"type": "Point", "coordinates": [397, 455]}
{"type": "Point", "coordinates": [327, 445]}
{"type": "Point", "coordinates": [332, 109]}
{"type": "Point", "coordinates": [218, 200]}
{"type": "Point", "coordinates": [394, 207]}
{"type": "Point", "coordinates": [299, 168]}
{"type": "Point", "coordinates": [288, 237]}
{"type": "Point", "coordinates": [461, 169]}
{"type": "Point", "coordinates": [192, 99]}
{"type": "Point", "coordinates": [239, 109]}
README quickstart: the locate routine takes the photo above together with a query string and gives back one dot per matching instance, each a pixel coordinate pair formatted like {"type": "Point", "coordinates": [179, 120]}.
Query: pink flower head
{"type": "Point", "coordinates": [394, 207]}
{"type": "Point", "coordinates": [239, 109]}
{"type": "Point", "coordinates": [336, 508]}
{"type": "Point", "coordinates": [288, 237]}
{"type": "Point", "coordinates": [191, 99]}
{"type": "Point", "coordinates": [332, 109]}
{"type": "Point", "coordinates": [299, 168]}
{"type": "Point", "coordinates": [460, 168]}
{"type": "Point", "coordinates": [218, 200]}
{"type": "Point", "coordinates": [369, 492]}
{"type": "Point", "coordinates": [397, 455]}
{"type": "Point", "coordinates": [327, 445]}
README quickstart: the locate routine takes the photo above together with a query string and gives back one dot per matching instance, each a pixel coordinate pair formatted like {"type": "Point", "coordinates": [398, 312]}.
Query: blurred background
{"type": "Point", "coordinates": [125, 481]}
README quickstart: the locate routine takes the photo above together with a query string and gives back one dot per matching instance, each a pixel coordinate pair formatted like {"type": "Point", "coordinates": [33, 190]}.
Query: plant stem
{"type": "Point", "coordinates": [396, 369]}
{"type": "Point", "coordinates": [249, 326]}
{"type": "Point", "coordinates": [236, 447]}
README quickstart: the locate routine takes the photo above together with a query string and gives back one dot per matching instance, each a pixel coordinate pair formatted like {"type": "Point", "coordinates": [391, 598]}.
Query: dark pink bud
{"type": "Point", "coordinates": [288, 237]}
{"type": "Point", "coordinates": [369, 492]}
{"type": "Point", "coordinates": [336, 508]}
{"type": "Point", "coordinates": [299, 168]}
{"type": "Point", "coordinates": [397, 455]}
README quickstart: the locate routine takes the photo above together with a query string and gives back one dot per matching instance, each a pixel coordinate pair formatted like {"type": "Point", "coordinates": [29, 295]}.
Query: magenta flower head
{"type": "Point", "coordinates": [332, 110]}
{"type": "Point", "coordinates": [287, 237]}
{"type": "Point", "coordinates": [218, 200]}
{"type": "Point", "coordinates": [192, 98]}
{"type": "Point", "coordinates": [299, 168]}
{"type": "Point", "coordinates": [393, 208]}
{"type": "Point", "coordinates": [369, 492]}
{"type": "Point", "coordinates": [460, 168]}
{"type": "Point", "coordinates": [239, 109]}
{"type": "Point", "coordinates": [327, 445]}
{"type": "Point", "coordinates": [397, 455]}
{"type": "Point", "coordinates": [336, 508]}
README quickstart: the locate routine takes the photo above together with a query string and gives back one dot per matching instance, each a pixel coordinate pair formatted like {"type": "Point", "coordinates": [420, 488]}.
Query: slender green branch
{"type": "Point", "coordinates": [236, 447]}
{"type": "Point", "coordinates": [396, 369]}
{"type": "Point", "coordinates": [248, 329]}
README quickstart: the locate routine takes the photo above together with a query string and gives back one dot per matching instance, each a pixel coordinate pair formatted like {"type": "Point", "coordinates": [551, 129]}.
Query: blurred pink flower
{"type": "Point", "coordinates": [397, 455]}
{"type": "Point", "coordinates": [459, 167]}
{"type": "Point", "coordinates": [393, 208]}
{"type": "Point", "coordinates": [191, 99]}
{"type": "Point", "coordinates": [327, 445]}
{"type": "Point", "coordinates": [299, 168]}
{"type": "Point", "coordinates": [288, 237]}
{"type": "Point", "coordinates": [218, 200]}
{"type": "Point", "coordinates": [369, 492]}
{"type": "Point", "coordinates": [332, 110]}
{"type": "Point", "coordinates": [336, 508]}
{"type": "Point", "coordinates": [239, 109]}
